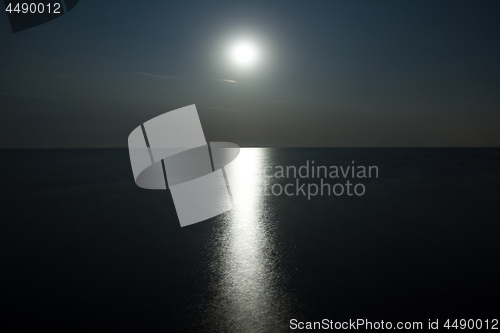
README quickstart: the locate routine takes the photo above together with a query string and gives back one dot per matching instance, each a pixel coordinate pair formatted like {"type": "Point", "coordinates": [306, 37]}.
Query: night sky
{"type": "Point", "coordinates": [329, 73]}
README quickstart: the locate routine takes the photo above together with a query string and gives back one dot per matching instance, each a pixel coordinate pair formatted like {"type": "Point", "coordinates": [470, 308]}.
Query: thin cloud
{"type": "Point", "coordinates": [160, 76]}
{"type": "Point", "coordinates": [218, 108]}
{"type": "Point", "coordinates": [61, 75]}
{"type": "Point", "coordinates": [279, 102]}
{"type": "Point", "coordinates": [178, 77]}
{"type": "Point", "coordinates": [224, 80]}
{"type": "Point", "coordinates": [111, 96]}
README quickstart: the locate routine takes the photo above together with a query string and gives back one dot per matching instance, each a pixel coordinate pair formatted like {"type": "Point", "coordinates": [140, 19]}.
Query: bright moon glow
{"type": "Point", "coordinates": [244, 53]}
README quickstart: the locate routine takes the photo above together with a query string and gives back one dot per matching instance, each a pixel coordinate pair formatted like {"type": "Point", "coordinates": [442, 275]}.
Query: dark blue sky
{"type": "Point", "coordinates": [330, 73]}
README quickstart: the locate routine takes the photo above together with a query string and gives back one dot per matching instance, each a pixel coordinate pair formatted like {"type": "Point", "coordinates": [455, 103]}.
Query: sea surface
{"type": "Point", "coordinates": [83, 249]}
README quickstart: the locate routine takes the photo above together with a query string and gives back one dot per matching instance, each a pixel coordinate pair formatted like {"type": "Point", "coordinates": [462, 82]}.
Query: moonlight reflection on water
{"type": "Point", "coordinates": [248, 287]}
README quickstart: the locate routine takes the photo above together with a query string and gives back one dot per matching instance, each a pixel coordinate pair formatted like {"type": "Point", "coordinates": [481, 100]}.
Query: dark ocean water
{"type": "Point", "coordinates": [82, 248]}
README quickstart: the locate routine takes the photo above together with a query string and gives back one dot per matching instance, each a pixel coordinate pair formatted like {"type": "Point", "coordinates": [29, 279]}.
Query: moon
{"type": "Point", "coordinates": [244, 53]}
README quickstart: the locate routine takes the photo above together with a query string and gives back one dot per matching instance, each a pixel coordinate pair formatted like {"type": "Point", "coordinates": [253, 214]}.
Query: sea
{"type": "Point", "coordinates": [84, 249]}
